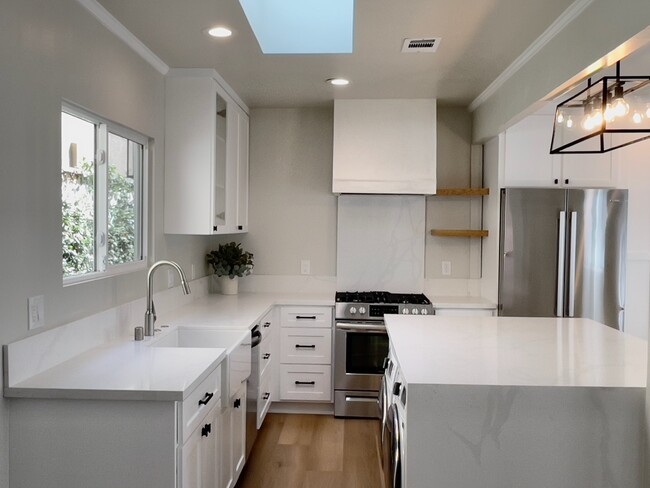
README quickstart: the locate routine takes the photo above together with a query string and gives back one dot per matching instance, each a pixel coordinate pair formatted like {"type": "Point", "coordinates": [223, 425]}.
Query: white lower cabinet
{"type": "Point", "coordinates": [62, 443]}
{"type": "Point", "coordinates": [232, 427]}
{"type": "Point", "coordinates": [306, 354]}
{"type": "Point", "coordinates": [201, 453]}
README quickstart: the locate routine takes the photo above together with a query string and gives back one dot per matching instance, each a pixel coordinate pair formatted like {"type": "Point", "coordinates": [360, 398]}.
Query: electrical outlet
{"type": "Point", "coordinates": [170, 278]}
{"type": "Point", "coordinates": [446, 268]}
{"type": "Point", "coordinates": [36, 312]}
{"type": "Point", "coordinates": [305, 267]}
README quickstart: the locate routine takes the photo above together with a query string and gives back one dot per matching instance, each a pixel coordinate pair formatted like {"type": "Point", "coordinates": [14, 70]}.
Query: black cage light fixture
{"type": "Point", "coordinates": [610, 113]}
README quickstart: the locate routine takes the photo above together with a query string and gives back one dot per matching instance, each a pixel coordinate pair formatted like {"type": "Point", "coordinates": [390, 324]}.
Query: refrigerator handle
{"type": "Point", "coordinates": [561, 246]}
{"type": "Point", "coordinates": [572, 263]}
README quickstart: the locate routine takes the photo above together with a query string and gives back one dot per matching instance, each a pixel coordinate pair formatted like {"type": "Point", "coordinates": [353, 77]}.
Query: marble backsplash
{"type": "Point", "coordinates": [380, 243]}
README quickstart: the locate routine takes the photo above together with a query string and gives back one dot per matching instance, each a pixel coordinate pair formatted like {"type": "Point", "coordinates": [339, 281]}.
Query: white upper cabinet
{"type": "Point", "coordinates": [384, 146]}
{"type": "Point", "coordinates": [206, 158]}
{"type": "Point", "coordinates": [527, 161]}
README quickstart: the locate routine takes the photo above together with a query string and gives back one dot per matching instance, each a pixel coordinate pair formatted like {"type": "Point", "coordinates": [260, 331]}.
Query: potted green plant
{"type": "Point", "coordinates": [229, 263]}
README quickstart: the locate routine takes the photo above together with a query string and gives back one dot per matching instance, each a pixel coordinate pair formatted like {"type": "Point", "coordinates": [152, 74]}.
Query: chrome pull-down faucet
{"type": "Point", "coordinates": [150, 313]}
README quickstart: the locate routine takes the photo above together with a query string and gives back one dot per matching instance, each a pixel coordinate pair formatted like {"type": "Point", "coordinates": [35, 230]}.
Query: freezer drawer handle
{"type": "Point", "coordinates": [353, 399]}
{"type": "Point", "coordinates": [305, 346]}
{"type": "Point", "coordinates": [309, 383]}
{"type": "Point", "coordinates": [206, 399]}
{"type": "Point", "coordinates": [305, 317]}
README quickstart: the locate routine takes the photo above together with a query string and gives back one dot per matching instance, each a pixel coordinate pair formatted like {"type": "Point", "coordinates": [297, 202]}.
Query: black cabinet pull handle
{"type": "Point", "coordinates": [266, 396]}
{"type": "Point", "coordinates": [267, 355]}
{"type": "Point", "coordinates": [566, 182]}
{"type": "Point", "coordinates": [556, 181]}
{"type": "Point", "coordinates": [305, 382]}
{"type": "Point", "coordinates": [206, 399]}
{"type": "Point", "coordinates": [305, 346]}
{"type": "Point", "coordinates": [237, 403]}
{"type": "Point", "coordinates": [205, 431]}
{"type": "Point", "coordinates": [214, 228]}
{"type": "Point", "coordinates": [305, 317]}
{"type": "Point", "coordinates": [240, 227]}
{"type": "Point", "coordinates": [267, 324]}
{"type": "Point", "coordinates": [397, 386]}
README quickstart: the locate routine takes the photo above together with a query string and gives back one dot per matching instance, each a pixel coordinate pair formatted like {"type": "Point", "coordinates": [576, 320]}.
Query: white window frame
{"type": "Point", "coordinates": [104, 126]}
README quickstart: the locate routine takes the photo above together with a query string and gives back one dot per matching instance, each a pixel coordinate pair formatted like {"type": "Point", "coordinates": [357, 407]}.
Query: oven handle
{"type": "Point", "coordinates": [361, 327]}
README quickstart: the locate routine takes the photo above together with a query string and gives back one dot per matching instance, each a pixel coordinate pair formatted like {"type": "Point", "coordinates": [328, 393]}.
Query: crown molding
{"type": "Point", "coordinates": [574, 10]}
{"type": "Point", "coordinates": [117, 28]}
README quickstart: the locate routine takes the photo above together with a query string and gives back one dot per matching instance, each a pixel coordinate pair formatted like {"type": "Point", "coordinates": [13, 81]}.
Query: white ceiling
{"type": "Point", "coordinates": [480, 39]}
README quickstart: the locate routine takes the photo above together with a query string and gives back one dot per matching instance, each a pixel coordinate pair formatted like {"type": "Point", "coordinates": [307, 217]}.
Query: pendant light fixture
{"type": "Point", "coordinates": [612, 112]}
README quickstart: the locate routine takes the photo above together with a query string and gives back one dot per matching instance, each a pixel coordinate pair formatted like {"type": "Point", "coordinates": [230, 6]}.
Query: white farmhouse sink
{"type": "Point", "coordinates": [236, 342]}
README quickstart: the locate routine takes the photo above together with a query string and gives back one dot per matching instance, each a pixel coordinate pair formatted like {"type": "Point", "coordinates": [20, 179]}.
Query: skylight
{"type": "Point", "coordinates": [302, 26]}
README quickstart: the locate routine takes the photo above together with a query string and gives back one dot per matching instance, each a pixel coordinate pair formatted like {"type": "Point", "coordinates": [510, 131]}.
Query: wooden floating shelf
{"type": "Point", "coordinates": [458, 233]}
{"type": "Point", "coordinates": [462, 192]}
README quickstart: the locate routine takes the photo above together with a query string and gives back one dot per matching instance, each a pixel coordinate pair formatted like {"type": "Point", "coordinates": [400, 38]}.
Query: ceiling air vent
{"type": "Point", "coordinates": [425, 45]}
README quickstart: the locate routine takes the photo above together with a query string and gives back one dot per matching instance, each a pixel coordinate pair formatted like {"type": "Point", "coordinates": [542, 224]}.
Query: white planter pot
{"type": "Point", "coordinates": [228, 286]}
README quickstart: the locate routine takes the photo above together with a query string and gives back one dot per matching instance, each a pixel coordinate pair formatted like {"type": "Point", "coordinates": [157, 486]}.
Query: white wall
{"type": "Point", "coordinates": [52, 50]}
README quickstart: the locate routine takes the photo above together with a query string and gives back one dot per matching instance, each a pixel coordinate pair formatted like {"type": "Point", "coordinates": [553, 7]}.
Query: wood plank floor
{"type": "Point", "coordinates": [314, 451]}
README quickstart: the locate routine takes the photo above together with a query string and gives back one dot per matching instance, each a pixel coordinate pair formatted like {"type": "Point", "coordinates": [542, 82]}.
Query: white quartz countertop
{"type": "Point", "coordinates": [238, 311]}
{"type": "Point", "coordinates": [461, 302]}
{"type": "Point", "coordinates": [515, 351]}
{"type": "Point", "coordinates": [125, 371]}
{"type": "Point", "coordinates": [133, 370]}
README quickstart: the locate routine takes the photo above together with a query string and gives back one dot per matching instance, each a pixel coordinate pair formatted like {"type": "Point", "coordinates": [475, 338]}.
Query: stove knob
{"type": "Point", "coordinates": [405, 311]}
{"type": "Point", "coordinates": [353, 310]}
{"type": "Point", "coordinates": [414, 311]}
{"type": "Point", "coordinates": [362, 310]}
{"type": "Point", "coordinates": [424, 311]}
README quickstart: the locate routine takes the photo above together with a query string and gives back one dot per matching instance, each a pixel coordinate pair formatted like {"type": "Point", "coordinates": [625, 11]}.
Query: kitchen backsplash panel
{"type": "Point", "coordinates": [380, 243]}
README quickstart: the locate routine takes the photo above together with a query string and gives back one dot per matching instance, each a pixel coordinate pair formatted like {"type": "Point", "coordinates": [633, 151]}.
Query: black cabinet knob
{"type": "Point", "coordinates": [237, 403]}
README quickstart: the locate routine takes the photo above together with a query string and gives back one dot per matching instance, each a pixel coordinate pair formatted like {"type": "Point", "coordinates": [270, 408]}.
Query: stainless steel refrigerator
{"type": "Point", "coordinates": [562, 253]}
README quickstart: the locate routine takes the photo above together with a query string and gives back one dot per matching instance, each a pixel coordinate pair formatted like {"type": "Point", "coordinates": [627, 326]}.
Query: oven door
{"type": "Point", "coordinates": [360, 349]}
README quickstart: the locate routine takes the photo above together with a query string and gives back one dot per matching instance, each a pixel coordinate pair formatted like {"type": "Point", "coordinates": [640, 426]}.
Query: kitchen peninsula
{"type": "Point", "coordinates": [503, 402]}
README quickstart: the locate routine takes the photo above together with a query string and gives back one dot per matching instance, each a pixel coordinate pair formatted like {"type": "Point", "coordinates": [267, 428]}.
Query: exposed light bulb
{"type": "Point", "coordinates": [620, 107]}
{"type": "Point", "coordinates": [637, 118]}
{"type": "Point", "coordinates": [647, 111]}
{"type": "Point", "coordinates": [569, 122]}
{"type": "Point", "coordinates": [597, 118]}
{"type": "Point", "coordinates": [560, 117]}
{"type": "Point", "coordinates": [587, 123]}
{"type": "Point", "coordinates": [609, 113]}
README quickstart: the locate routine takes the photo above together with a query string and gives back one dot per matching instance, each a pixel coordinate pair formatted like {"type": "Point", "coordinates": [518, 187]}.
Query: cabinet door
{"type": "Point", "coordinates": [528, 162]}
{"type": "Point", "coordinates": [242, 171]}
{"type": "Point", "coordinates": [201, 454]}
{"type": "Point", "coordinates": [588, 170]}
{"type": "Point", "coordinates": [238, 431]}
{"type": "Point", "coordinates": [226, 448]}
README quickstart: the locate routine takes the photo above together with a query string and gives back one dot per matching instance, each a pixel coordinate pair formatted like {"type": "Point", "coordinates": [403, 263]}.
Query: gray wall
{"type": "Point", "coordinates": [49, 51]}
{"type": "Point", "coordinates": [293, 210]}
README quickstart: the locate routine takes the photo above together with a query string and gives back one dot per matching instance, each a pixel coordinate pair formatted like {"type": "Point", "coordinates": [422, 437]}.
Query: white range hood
{"type": "Point", "coordinates": [385, 146]}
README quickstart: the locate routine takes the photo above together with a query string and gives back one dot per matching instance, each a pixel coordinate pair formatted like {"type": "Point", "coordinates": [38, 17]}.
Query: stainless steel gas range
{"type": "Point", "coordinates": [361, 346]}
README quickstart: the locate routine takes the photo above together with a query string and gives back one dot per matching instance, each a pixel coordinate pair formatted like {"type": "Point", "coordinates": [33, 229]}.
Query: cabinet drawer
{"type": "Point", "coordinates": [306, 317]}
{"type": "Point", "coordinates": [266, 355]}
{"type": "Point", "coordinates": [305, 382]}
{"type": "Point", "coordinates": [200, 402]}
{"type": "Point", "coordinates": [306, 345]}
{"type": "Point", "coordinates": [265, 397]}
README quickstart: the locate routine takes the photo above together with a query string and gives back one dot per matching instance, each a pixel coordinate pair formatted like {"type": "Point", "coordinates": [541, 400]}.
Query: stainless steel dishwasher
{"type": "Point", "coordinates": [252, 390]}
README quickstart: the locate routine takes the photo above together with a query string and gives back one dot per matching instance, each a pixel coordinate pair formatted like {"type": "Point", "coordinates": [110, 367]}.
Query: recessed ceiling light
{"type": "Point", "coordinates": [220, 31]}
{"type": "Point", "coordinates": [338, 81]}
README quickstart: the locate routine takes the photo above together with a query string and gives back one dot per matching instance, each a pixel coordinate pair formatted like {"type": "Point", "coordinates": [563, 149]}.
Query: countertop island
{"type": "Point", "coordinates": [497, 402]}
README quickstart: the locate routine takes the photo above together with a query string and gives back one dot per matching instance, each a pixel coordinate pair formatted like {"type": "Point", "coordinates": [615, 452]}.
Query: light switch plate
{"type": "Point", "coordinates": [446, 268]}
{"type": "Point", "coordinates": [36, 312]}
{"type": "Point", "coordinates": [305, 267]}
